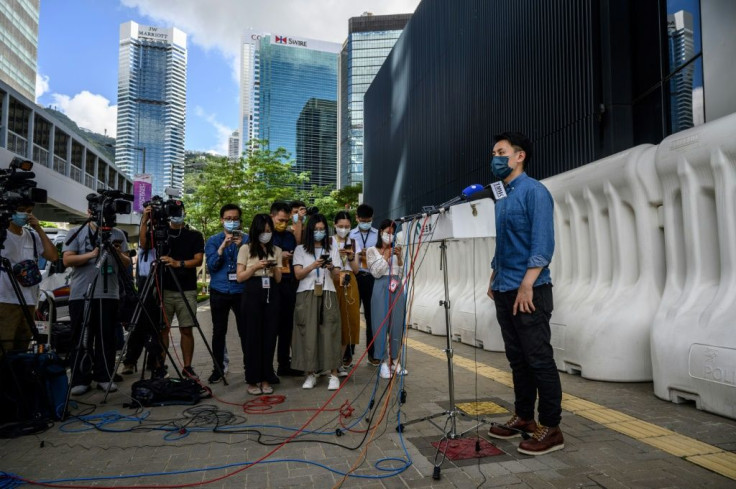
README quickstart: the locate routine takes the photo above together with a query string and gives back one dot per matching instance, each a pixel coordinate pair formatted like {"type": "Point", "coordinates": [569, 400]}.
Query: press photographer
{"type": "Point", "coordinates": [182, 250]}
{"type": "Point", "coordinates": [97, 250]}
{"type": "Point", "coordinates": [20, 248]}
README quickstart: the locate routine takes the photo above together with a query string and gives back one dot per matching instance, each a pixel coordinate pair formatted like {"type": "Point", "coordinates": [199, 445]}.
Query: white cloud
{"type": "Point", "coordinates": [223, 132]}
{"type": "Point", "coordinates": [89, 110]}
{"type": "Point", "coordinates": [219, 24]}
{"type": "Point", "coordinates": [42, 85]}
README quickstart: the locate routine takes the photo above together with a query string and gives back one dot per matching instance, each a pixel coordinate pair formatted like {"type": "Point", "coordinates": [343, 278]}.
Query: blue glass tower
{"type": "Point", "coordinates": [293, 71]}
{"type": "Point", "coordinates": [152, 80]}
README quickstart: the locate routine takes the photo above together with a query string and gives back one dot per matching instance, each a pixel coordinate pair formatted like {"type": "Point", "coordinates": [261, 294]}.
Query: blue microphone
{"type": "Point", "coordinates": [471, 189]}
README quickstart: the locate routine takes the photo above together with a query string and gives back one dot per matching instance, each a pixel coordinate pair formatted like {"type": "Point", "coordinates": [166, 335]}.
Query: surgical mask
{"type": "Point", "coordinates": [342, 232]}
{"type": "Point", "coordinates": [265, 237]}
{"type": "Point", "coordinates": [319, 235]}
{"type": "Point", "coordinates": [500, 167]}
{"type": "Point", "coordinates": [280, 226]}
{"type": "Point", "coordinates": [387, 238]}
{"type": "Point", "coordinates": [20, 219]}
{"type": "Point", "coordinates": [231, 226]}
{"type": "Point", "coordinates": [365, 226]}
{"type": "Point", "coordinates": [177, 220]}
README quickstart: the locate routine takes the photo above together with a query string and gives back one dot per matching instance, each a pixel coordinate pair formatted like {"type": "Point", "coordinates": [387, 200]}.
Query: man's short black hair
{"type": "Point", "coordinates": [519, 141]}
{"type": "Point", "coordinates": [230, 207]}
{"type": "Point", "coordinates": [295, 204]}
{"type": "Point", "coordinates": [280, 206]}
{"type": "Point", "coordinates": [364, 210]}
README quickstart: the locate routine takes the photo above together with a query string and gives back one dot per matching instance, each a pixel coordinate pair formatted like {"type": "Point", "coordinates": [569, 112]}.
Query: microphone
{"type": "Point", "coordinates": [464, 195]}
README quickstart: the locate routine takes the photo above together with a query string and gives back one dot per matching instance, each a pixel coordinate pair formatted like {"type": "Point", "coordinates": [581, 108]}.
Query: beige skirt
{"type": "Point", "coordinates": [314, 346]}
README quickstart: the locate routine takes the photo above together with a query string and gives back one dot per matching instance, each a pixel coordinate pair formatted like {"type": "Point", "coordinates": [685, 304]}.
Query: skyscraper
{"type": "Point", "coordinates": [233, 146]}
{"type": "Point", "coordinates": [249, 85]}
{"type": "Point", "coordinates": [370, 39]}
{"type": "Point", "coordinates": [291, 71]}
{"type": "Point", "coordinates": [19, 45]}
{"type": "Point", "coordinates": [316, 142]}
{"type": "Point", "coordinates": [152, 78]}
{"type": "Point", "coordinates": [681, 51]}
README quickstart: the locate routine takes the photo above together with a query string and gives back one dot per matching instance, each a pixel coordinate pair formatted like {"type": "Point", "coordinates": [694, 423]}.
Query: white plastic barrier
{"type": "Point", "coordinates": [608, 267]}
{"type": "Point", "coordinates": [425, 313]}
{"type": "Point", "coordinates": [694, 333]}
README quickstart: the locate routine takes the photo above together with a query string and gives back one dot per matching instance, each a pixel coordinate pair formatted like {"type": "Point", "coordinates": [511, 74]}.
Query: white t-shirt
{"type": "Point", "coordinates": [320, 275]}
{"type": "Point", "coordinates": [19, 248]}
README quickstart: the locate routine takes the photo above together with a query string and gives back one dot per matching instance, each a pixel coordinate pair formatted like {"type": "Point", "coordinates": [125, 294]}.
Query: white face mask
{"type": "Point", "coordinates": [342, 232]}
{"type": "Point", "coordinates": [387, 238]}
{"type": "Point", "coordinates": [265, 237]}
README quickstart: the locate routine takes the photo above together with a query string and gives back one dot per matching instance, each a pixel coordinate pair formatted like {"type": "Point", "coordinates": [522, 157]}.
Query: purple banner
{"type": "Point", "coordinates": [141, 191]}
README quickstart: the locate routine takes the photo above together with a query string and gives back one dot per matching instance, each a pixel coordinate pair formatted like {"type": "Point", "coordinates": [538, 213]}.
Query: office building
{"type": "Point", "coordinates": [291, 72]}
{"type": "Point", "coordinates": [316, 142]}
{"type": "Point", "coordinates": [19, 45]}
{"type": "Point", "coordinates": [233, 146]}
{"type": "Point", "coordinates": [152, 84]}
{"type": "Point", "coordinates": [249, 86]}
{"type": "Point", "coordinates": [681, 51]}
{"type": "Point", "coordinates": [370, 39]}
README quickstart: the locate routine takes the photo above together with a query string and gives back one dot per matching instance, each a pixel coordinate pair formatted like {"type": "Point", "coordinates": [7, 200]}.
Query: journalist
{"type": "Point", "coordinates": [521, 287]}
{"type": "Point", "coordinates": [347, 289]}
{"type": "Point", "coordinates": [25, 242]}
{"type": "Point", "coordinates": [364, 235]}
{"type": "Point", "coordinates": [298, 219]}
{"type": "Point", "coordinates": [221, 251]}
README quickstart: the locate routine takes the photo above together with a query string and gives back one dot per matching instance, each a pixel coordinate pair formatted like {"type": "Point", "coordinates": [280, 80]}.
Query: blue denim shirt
{"type": "Point", "coordinates": [220, 266]}
{"type": "Point", "coordinates": [525, 233]}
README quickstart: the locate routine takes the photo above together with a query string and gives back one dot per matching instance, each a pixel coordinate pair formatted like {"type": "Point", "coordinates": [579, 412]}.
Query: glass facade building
{"type": "Point", "coordinates": [249, 86]}
{"type": "Point", "coordinates": [152, 77]}
{"type": "Point", "coordinates": [316, 142]}
{"type": "Point", "coordinates": [681, 52]}
{"type": "Point", "coordinates": [291, 72]}
{"type": "Point", "coordinates": [19, 45]}
{"type": "Point", "coordinates": [370, 39]}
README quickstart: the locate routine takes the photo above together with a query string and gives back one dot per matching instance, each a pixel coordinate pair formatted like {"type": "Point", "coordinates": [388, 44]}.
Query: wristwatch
{"type": "Point", "coordinates": [182, 264]}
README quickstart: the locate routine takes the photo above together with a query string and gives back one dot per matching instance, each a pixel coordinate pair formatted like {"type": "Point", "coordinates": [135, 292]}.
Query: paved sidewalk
{"type": "Point", "coordinates": [616, 435]}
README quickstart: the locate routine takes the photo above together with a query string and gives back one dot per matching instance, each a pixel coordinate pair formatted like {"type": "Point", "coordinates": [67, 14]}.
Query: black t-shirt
{"type": "Point", "coordinates": [183, 246]}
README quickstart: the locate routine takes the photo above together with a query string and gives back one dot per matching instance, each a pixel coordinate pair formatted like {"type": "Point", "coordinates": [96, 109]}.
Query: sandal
{"type": "Point", "coordinates": [267, 389]}
{"type": "Point", "coordinates": [255, 390]}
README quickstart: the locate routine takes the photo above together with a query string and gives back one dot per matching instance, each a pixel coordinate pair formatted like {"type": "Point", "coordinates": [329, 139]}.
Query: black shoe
{"type": "Point", "coordinates": [289, 372]}
{"type": "Point", "coordinates": [273, 379]}
{"type": "Point", "coordinates": [117, 378]}
{"type": "Point", "coordinates": [215, 378]}
{"type": "Point", "coordinates": [189, 372]}
{"type": "Point", "coordinates": [160, 373]}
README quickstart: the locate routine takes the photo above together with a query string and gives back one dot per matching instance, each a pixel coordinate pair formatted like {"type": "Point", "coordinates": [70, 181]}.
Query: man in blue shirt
{"type": "Point", "coordinates": [364, 235]}
{"type": "Point", "coordinates": [522, 290]}
{"type": "Point", "coordinates": [221, 251]}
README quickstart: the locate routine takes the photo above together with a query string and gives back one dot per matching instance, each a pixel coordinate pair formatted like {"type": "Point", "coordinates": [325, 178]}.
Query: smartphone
{"type": "Point", "coordinates": [117, 242]}
{"type": "Point", "coordinates": [271, 264]}
{"type": "Point", "coordinates": [348, 245]}
{"type": "Point", "coordinates": [327, 259]}
{"type": "Point", "coordinates": [236, 233]}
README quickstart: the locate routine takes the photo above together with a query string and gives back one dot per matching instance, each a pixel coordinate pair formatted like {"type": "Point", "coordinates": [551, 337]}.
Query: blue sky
{"type": "Point", "coordinates": [78, 52]}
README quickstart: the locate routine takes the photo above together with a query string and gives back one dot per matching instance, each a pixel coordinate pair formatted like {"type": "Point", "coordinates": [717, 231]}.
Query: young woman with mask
{"type": "Point", "coordinates": [385, 263]}
{"type": "Point", "coordinates": [347, 288]}
{"type": "Point", "coordinates": [260, 305]}
{"type": "Point", "coordinates": [316, 339]}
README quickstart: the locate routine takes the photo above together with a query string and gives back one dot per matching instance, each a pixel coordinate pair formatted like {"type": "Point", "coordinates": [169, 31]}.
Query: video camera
{"type": "Point", "coordinates": [161, 213]}
{"type": "Point", "coordinates": [106, 204]}
{"type": "Point", "coordinates": [17, 188]}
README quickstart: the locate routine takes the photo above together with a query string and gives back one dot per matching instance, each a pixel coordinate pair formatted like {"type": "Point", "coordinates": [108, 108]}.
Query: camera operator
{"type": "Point", "coordinates": [221, 251]}
{"type": "Point", "coordinates": [82, 253]}
{"type": "Point", "coordinates": [183, 254]}
{"type": "Point", "coordinates": [364, 236]}
{"type": "Point", "coordinates": [21, 244]}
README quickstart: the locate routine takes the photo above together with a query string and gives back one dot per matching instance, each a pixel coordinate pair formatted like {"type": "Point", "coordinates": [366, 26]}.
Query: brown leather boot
{"type": "Point", "coordinates": [512, 428]}
{"type": "Point", "coordinates": [544, 440]}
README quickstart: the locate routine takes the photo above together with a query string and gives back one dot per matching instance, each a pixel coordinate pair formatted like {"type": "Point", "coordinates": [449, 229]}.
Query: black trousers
{"type": "Point", "coordinates": [526, 337]}
{"type": "Point", "coordinates": [365, 289]}
{"type": "Point", "coordinates": [286, 290]}
{"type": "Point", "coordinates": [220, 307]}
{"type": "Point", "coordinates": [146, 331]}
{"type": "Point", "coordinates": [260, 312]}
{"type": "Point", "coordinates": [98, 360]}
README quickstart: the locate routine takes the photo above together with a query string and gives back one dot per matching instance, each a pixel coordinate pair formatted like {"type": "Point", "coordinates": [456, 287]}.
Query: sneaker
{"type": "Point", "coordinates": [343, 371]}
{"type": "Point", "coordinates": [385, 371]}
{"type": "Point", "coordinates": [104, 386]}
{"type": "Point", "coordinates": [160, 373]}
{"type": "Point", "coordinates": [128, 368]}
{"type": "Point", "coordinates": [310, 382]}
{"type": "Point", "coordinates": [334, 383]}
{"type": "Point", "coordinates": [512, 428]}
{"type": "Point", "coordinates": [189, 372]}
{"type": "Point", "coordinates": [78, 390]}
{"type": "Point", "coordinates": [396, 369]}
{"type": "Point", "coordinates": [543, 440]}
{"type": "Point", "coordinates": [215, 377]}
{"type": "Point", "coordinates": [373, 362]}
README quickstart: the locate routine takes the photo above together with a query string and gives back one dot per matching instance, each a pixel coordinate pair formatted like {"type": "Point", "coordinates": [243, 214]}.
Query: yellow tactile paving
{"type": "Point", "coordinates": [697, 452]}
{"type": "Point", "coordinates": [481, 407]}
{"type": "Point", "coordinates": [723, 463]}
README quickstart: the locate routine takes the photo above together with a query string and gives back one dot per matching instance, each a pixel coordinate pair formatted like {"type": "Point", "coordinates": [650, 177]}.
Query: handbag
{"type": "Point", "coordinates": [26, 272]}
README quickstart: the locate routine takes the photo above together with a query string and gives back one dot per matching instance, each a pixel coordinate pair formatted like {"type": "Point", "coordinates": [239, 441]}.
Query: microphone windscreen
{"type": "Point", "coordinates": [471, 189]}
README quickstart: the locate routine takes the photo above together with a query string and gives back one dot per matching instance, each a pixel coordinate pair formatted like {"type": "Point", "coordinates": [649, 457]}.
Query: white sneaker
{"type": "Point", "coordinates": [396, 368]}
{"type": "Point", "coordinates": [310, 382]}
{"type": "Point", "coordinates": [385, 371]}
{"type": "Point", "coordinates": [78, 390]}
{"type": "Point", "coordinates": [104, 385]}
{"type": "Point", "coordinates": [334, 383]}
{"type": "Point", "coordinates": [343, 371]}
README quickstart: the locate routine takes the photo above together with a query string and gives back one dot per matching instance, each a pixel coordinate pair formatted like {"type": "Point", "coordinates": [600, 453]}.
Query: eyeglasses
{"type": "Point", "coordinates": [230, 219]}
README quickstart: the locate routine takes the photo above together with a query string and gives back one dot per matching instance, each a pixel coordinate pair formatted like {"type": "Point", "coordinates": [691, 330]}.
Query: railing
{"type": "Point", "coordinates": [75, 173]}
{"type": "Point", "coordinates": [89, 181]}
{"type": "Point", "coordinates": [59, 165]}
{"type": "Point", "coordinates": [17, 144]}
{"type": "Point", "coordinates": [41, 156]}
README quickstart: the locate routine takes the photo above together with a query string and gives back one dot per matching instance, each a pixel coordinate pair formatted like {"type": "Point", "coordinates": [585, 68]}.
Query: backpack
{"type": "Point", "coordinates": [166, 392]}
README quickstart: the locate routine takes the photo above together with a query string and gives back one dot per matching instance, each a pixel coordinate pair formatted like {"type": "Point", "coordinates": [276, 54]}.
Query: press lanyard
{"type": "Point", "coordinates": [365, 239]}
{"type": "Point", "coordinates": [315, 259]}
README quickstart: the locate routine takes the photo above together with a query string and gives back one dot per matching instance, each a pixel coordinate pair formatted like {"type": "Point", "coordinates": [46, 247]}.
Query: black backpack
{"type": "Point", "coordinates": [166, 392]}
